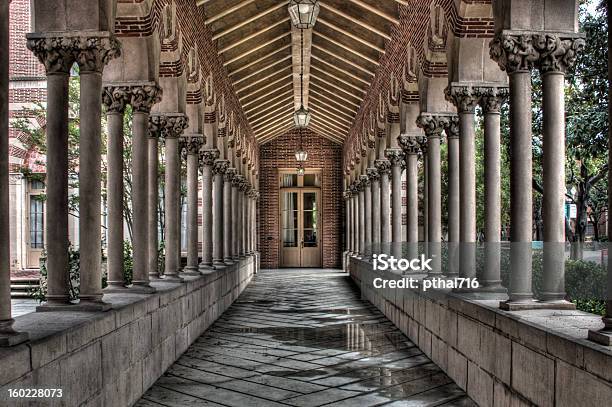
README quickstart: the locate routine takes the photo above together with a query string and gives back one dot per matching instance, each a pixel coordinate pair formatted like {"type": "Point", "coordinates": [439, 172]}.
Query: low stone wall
{"type": "Point", "coordinates": [112, 358]}
{"type": "Point", "coordinates": [536, 357]}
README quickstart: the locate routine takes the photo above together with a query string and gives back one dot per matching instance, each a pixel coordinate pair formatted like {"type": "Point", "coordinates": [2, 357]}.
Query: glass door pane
{"type": "Point", "coordinates": [310, 229]}
{"type": "Point", "coordinates": [289, 219]}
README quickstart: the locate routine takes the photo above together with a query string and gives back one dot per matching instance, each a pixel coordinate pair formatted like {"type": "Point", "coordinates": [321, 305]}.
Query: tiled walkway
{"type": "Point", "coordinates": [303, 338]}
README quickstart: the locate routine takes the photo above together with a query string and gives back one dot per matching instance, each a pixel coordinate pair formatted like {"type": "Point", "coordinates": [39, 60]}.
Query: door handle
{"type": "Point", "coordinates": [302, 244]}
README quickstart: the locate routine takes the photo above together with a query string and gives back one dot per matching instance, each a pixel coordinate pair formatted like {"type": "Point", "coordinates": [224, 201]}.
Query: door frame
{"type": "Point", "coordinates": [320, 217]}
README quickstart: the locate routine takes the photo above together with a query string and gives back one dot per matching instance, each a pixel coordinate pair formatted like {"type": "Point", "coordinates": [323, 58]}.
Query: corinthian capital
{"type": "Point", "coordinates": [492, 98]}
{"type": "Point", "coordinates": [208, 156]}
{"type": "Point", "coordinates": [410, 144]}
{"type": "Point", "coordinates": [373, 173]}
{"type": "Point", "coordinates": [229, 175]}
{"type": "Point", "coordinates": [463, 97]}
{"type": "Point", "coordinates": [56, 53]}
{"type": "Point", "coordinates": [115, 98]}
{"type": "Point", "coordinates": [434, 123]}
{"type": "Point", "coordinates": [94, 52]}
{"type": "Point", "coordinates": [395, 156]}
{"type": "Point", "coordinates": [383, 166]}
{"type": "Point", "coordinates": [145, 95]}
{"type": "Point", "coordinates": [520, 50]}
{"type": "Point", "coordinates": [192, 143]}
{"type": "Point", "coordinates": [220, 166]}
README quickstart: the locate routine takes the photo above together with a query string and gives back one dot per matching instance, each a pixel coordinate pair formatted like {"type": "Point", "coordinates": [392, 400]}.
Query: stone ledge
{"type": "Point", "coordinates": [533, 356]}
{"type": "Point", "coordinates": [115, 356]}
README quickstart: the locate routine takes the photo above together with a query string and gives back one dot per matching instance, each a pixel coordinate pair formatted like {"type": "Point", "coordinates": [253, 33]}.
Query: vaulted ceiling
{"type": "Point", "coordinates": [254, 39]}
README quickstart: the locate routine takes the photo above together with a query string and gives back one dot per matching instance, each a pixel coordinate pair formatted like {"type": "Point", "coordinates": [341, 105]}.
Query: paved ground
{"type": "Point", "coordinates": [303, 338]}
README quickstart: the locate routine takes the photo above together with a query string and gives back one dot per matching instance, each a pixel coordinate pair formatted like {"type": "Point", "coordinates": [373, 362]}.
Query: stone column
{"type": "Point", "coordinates": [219, 168]}
{"type": "Point", "coordinates": [374, 177]}
{"type": "Point", "coordinates": [384, 169]}
{"type": "Point", "coordinates": [8, 335]}
{"type": "Point", "coordinates": [143, 97]}
{"type": "Point", "coordinates": [434, 124]}
{"type": "Point", "coordinates": [91, 59]}
{"type": "Point", "coordinates": [553, 66]}
{"type": "Point", "coordinates": [355, 216]}
{"type": "Point", "coordinates": [396, 157]}
{"type": "Point", "coordinates": [156, 124]}
{"type": "Point", "coordinates": [347, 200]}
{"type": "Point", "coordinates": [191, 145]}
{"type": "Point", "coordinates": [115, 99]}
{"type": "Point", "coordinates": [465, 99]}
{"type": "Point", "coordinates": [516, 59]}
{"type": "Point", "coordinates": [410, 146]}
{"type": "Point", "coordinates": [235, 205]}
{"type": "Point", "coordinates": [177, 122]}
{"type": "Point", "coordinates": [361, 216]}
{"type": "Point", "coordinates": [425, 203]}
{"type": "Point", "coordinates": [492, 99]}
{"type": "Point", "coordinates": [367, 201]}
{"type": "Point", "coordinates": [57, 55]}
{"type": "Point", "coordinates": [208, 160]}
{"type": "Point", "coordinates": [228, 234]}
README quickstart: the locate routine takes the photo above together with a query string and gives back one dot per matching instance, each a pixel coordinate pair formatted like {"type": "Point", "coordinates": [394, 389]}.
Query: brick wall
{"type": "Point", "coordinates": [322, 154]}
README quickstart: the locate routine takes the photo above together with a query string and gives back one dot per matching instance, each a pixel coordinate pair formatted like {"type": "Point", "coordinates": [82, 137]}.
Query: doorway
{"type": "Point", "coordinates": [300, 220]}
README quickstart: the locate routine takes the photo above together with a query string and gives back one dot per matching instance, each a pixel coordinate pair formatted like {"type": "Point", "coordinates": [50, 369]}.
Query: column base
{"type": "Point", "coordinates": [205, 269]}
{"type": "Point", "coordinates": [142, 288]}
{"type": "Point", "coordinates": [173, 278]}
{"type": "Point", "coordinates": [219, 265]}
{"type": "Point", "coordinates": [523, 305]}
{"type": "Point", "coordinates": [13, 338]}
{"type": "Point", "coordinates": [228, 261]}
{"type": "Point", "coordinates": [82, 306]}
{"type": "Point", "coordinates": [191, 271]}
{"type": "Point", "coordinates": [602, 337]}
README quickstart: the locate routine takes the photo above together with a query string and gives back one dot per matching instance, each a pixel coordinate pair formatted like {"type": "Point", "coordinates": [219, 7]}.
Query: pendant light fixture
{"type": "Point", "coordinates": [301, 117]}
{"type": "Point", "coordinates": [301, 155]}
{"type": "Point", "coordinates": [303, 13]}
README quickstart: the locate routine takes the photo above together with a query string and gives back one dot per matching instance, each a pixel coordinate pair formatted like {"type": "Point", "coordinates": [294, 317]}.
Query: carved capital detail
{"type": "Point", "coordinates": [411, 144]}
{"type": "Point", "coordinates": [463, 97]}
{"type": "Point", "coordinates": [59, 51]}
{"type": "Point", "coordinates": [220, 166]}
{"type": "Point", "coordinates": [115, 98]}
{"type": "Point", "coordinates": [492, 98]}
{"type": "Point", "coordinates": [434, 123]}
{"type": "Point", "coordinates": [523, 51]}
{"type": "Point", "coordinates": [373, 173]}
{"type": "Point", "coordinates": [192, 143]}
{"type": "Point", "coordinates": [395, 156]}
{"type": "Point", "coordinates": [229, 175]}
{"type": "Point", "coordinates": [209, 156]}
{"type": "Point", "coordinates": [383, 166]}
{"type": "Point", "coordinates": [365, 181]}
{"type": "Point", "coordinates": [145, 96]}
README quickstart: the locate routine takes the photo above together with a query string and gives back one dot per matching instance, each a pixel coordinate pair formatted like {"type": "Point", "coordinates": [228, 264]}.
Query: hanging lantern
{"type": "Point", "coordinates": [300, 170]}
{"type": "Point", "coordinates": [301, 155]}
{"type": "Point", "coordinates": [303, 13]}
{"type": "Point", "coordinates": [301, 117]}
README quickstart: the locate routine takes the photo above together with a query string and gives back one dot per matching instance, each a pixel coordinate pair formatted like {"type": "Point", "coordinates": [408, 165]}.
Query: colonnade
{"type": "Point", "coordinates": [220, 154]}
{"type": "Point", "coordinates": [518, 54]}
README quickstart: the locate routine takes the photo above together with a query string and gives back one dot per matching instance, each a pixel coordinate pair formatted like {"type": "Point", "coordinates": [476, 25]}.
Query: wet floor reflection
{"type": "Point", "coordinates": [304, 338]}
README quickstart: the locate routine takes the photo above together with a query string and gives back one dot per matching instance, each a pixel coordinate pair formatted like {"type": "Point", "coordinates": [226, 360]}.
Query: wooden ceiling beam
{"type": "Point", "coordinates": [251, 36]}
{"type": "Point", "coordinates": [268, 115]}
{"type": "Point", "coordinates": [327, 134]}
{"type": "Point", "coordinates": [333, 85]}
{"type": "Point", "coordinates": [260, 70]}
{"type": "Point", "coordinates": [344, 71]}
{"type": "Point", "coordinates": [272, 135]}
{"type": "Point", "coordinates": [228, 11]}
{"type": "Point", "coordinates": [350, 35]}
{"type": "Point", "coordinates": [335, 108]}
{"type": "Point", "coordinates": [335, 115]}
{"type": "Point", "coordinates": [346, 61]}
{"type": "Point", "coordinates": [347, 48]}
{"type": "Point", "coordinates": [265, 78]}
{"type": "Point", "coordinates": [376, 11]}
{"type": "Point", "coordinates": [336, 95]}
{"type": "Point", "coordinates": [320, 117]}
{"type": "Point", "coordinates": [329, 99]}
{"type": "Point", "coordinates": [267, 108]}
{"type": "Point", "coordinates": [273, 126]}
{"type": "Point", "coordinates": [354, 20]}
{"type": "Point", "coordinates": [247, 111]}
{"type": "Point", "coordinates": [257, 48]}
{"type": "Point", "coordinates": [250, 20]}
{"type": "Point", "coordinates": [258, 98]}
{"type": "Point", "coordinates": [274, 118]}
{"type": "Point", "coordinates": [241, 97]}
{"type": "Point", "coordinates": [336, 78]}
{"type": "Point", "coordinates": [258, 60]}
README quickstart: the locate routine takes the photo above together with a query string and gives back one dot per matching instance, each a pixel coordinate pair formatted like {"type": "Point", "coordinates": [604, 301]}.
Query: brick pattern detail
{"type": "Point", "coordinates": [322, 154]}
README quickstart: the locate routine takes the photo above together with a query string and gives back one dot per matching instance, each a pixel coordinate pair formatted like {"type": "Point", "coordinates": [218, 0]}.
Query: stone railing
{"type": "Point", "coordinates": [499, 358]}
{"type": "Point", "coordinates": [111, 358]}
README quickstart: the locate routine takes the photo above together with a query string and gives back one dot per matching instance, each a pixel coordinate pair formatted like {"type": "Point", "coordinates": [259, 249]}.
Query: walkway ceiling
{"type": "Point", "coordinates": [254, 39]}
